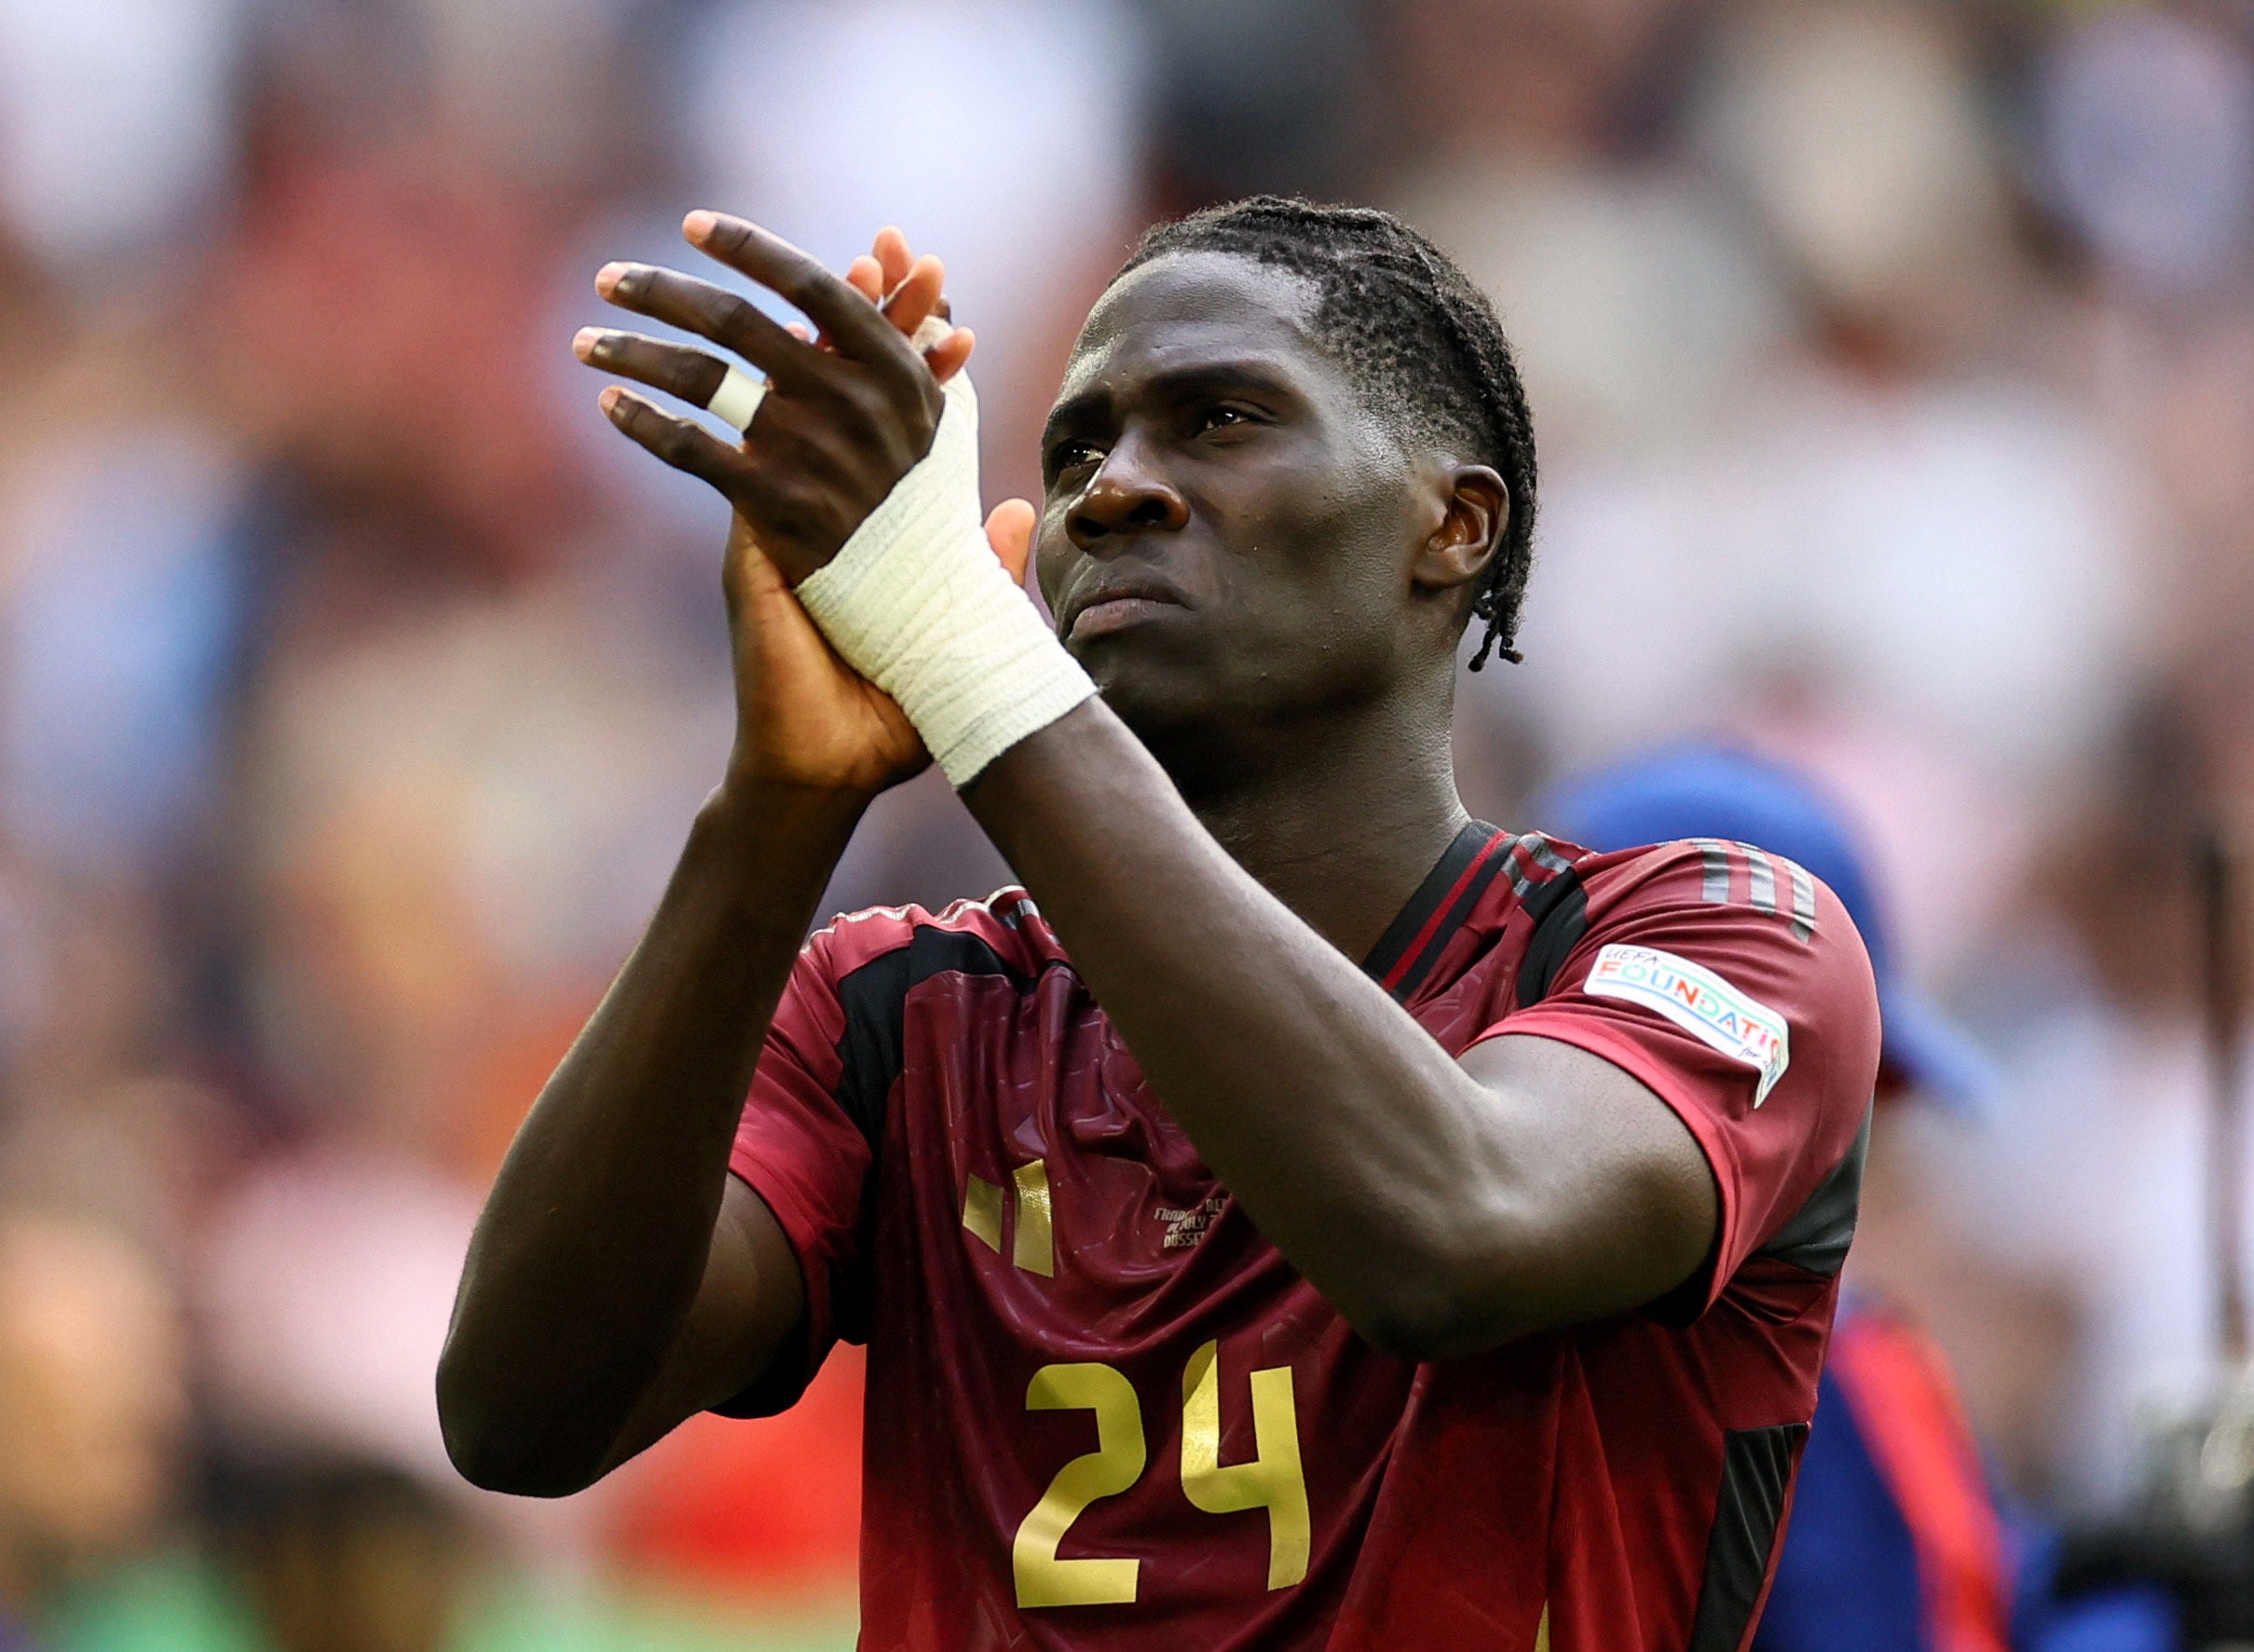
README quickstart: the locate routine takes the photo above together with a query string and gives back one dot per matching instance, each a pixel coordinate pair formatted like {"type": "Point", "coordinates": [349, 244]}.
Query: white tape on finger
{"type": "Point", "coordinates": [737, 400]}
{"type": "Point", "coordinates": [918, 603]}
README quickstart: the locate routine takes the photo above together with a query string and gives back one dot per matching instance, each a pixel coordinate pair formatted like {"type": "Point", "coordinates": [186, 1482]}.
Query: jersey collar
{"type": "Point", "coordinates": [1413, 942]}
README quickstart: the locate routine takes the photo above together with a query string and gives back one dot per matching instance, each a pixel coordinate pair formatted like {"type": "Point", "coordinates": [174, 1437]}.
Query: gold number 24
{"type": "Point", "coordinates": [1273, 1479]}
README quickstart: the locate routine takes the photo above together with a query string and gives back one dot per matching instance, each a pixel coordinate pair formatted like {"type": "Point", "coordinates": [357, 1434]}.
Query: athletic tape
{"type": "Point", "coordinates": [918, 603]}
{"type": "Point", "coordinates": [737, 400]}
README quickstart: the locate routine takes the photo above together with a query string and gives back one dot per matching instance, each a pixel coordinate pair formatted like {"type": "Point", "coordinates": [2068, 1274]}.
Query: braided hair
{"type": "Point", "coordinates": [1414, 333]}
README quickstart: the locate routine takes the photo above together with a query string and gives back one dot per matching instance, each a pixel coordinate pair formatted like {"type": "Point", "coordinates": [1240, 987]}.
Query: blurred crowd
{"type": "Point", "coordinates": [1892, 367]}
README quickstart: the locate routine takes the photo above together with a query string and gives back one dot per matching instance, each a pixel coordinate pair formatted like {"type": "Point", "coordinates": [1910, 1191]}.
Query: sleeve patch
{"type": "Point", "coordinates": [1699, 1002]}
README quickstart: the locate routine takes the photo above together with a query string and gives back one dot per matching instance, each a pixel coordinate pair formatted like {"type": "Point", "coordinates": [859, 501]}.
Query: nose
{"type": "Point", "coordinates": [1128, 495]}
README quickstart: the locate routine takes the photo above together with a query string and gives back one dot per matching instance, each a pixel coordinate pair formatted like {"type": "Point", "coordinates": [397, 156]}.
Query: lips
{"type": "Point", "coordinates": [1115, 605]}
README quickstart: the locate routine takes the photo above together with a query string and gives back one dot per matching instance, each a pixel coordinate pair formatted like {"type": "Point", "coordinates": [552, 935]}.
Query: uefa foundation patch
{"type": "Point", "coordinates": [1699, 1002]}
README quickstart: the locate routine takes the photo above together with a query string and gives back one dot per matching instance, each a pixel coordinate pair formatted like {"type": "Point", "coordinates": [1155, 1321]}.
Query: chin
{"type": "Point", "coordinates": [1196, 728]}
{"type": "Point", "coordinates": [1158, 700]}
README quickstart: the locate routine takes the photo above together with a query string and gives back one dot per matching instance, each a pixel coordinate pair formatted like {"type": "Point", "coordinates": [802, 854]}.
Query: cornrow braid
{"type": "Point", "coordinates": [1418, 336]}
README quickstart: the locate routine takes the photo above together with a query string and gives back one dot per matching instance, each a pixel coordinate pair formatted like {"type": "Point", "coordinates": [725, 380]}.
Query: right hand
{"type": "Point", "coordinates": [804, 718]}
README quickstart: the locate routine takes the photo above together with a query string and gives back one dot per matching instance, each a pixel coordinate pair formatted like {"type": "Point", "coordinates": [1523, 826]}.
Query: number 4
{"type": "Point", "coordinates": [1273, 1480]}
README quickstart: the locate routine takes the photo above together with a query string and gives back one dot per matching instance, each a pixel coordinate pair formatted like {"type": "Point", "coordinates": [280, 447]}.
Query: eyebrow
{"type": "Point", "coordinates": [1178, 384]}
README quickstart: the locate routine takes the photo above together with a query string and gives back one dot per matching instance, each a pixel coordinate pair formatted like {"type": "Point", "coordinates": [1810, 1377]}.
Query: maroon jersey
{"type": "Point", "coordinates": [1104, 1411]}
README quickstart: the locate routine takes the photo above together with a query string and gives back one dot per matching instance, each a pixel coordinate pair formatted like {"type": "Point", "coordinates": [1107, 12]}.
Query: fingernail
{"type": "Point", "coordinates": [587, 343]}
{"type": "Point", "coordinates": [699, 224]}
{"type": "Point", "coordinates": [609, 400]}
{"type": "Point", "coordinates": [608, 278]}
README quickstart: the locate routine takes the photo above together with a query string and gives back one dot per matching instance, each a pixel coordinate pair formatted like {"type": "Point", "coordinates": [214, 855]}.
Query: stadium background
{"type": "Point", "coordinates": [1893, 369]}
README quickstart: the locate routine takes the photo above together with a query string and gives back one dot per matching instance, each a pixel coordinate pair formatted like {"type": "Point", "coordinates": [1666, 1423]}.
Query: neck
{"type": "Point", "coordinates": [1341, 820]}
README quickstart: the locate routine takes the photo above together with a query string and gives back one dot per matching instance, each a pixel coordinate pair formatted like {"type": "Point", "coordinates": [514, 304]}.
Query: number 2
{"type": "Point", "coordinates": [1114, 1464]}
{"type": "Point", "coordinates": [1273, 1479]}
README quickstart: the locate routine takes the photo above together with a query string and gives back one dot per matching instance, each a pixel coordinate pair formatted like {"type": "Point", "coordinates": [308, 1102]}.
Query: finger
{"type": "Point", "coordinates": [908, 329]}
{"type": "Point", "coordinates": [891, 249]}
{"type": "Point", "coordinates": [951, 354]}
{"type": "Point", "coordinates": [867, 278]}
{"type": "Point", "coordinates": [681, 442]}
{"type": "Point", "coordinates": [917, 296]}
{"type": "Point", "coordinates": [673, 368]}
{"type": "Point", "coordinates": [851, 323]}
{"type": "Point", "coordinates": [727, 318]}
{"type": "Point", "coordinates": [1009, 529]}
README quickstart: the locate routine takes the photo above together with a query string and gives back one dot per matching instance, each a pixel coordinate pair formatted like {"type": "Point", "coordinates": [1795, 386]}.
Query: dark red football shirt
{"type": "Point", "coordinates": [1103, 1412]}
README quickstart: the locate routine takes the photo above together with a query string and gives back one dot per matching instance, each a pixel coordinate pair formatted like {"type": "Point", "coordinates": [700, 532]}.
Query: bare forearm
{"type": "Point", "coordinates": [596, 1234]}
{"type": "Point", "coordinates": [1345, 1131]}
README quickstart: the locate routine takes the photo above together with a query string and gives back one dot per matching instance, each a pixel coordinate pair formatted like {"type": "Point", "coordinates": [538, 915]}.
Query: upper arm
{"type": "Point", "coordinates": [785, 1259]}
{"type": "Point", "coordinates": [1756, 1026]}
{"type": "Point", "coordinates": [749, 1308]}
{"type": "Point", "coordinates": [1611, 1202]}
{"type": "Point", "coordinates": [1696, 1071]}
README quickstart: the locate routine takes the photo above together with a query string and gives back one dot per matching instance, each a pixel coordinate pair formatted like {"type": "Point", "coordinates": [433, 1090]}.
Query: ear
{"type": "Point", "coordinates": [1475, 511]}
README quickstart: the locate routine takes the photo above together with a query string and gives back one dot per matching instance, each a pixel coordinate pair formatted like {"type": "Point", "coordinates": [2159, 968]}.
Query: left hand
{"type": "Point", "coordinates": [910, 291]}
{"type": "Point", "coordinates": [844, 418]}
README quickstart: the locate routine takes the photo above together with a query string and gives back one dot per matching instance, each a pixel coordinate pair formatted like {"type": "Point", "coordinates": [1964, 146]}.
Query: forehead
{"type": "Point", "coordinates": [1187, 309]}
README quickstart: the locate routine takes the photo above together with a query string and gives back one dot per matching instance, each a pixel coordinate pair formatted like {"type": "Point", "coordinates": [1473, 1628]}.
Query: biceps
{"type": "Point", "coordinates": [1612, 1203]}
{"type": "Point", "coordinates": [745, 1310]}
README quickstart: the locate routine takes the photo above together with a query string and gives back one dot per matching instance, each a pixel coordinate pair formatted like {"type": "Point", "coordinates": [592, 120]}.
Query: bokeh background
{"type": "Point", "coordinates": [1893, 371]}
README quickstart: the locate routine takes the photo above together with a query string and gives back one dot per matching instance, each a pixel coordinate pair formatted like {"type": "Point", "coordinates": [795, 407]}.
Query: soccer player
{"type": "Point", "coordinates": [1301, 1215]}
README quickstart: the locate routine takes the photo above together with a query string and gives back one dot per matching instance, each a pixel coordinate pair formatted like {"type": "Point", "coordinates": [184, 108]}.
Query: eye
{"type": "Point", "coordinates": [1072, 455]}
{"type": "Point", "coordinates": [1221, 417]}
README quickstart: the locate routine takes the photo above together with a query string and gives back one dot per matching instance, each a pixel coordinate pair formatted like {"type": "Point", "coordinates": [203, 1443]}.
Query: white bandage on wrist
{"type": "Point", "coordinates": [737, 400]}
{"type": "Point", "coordinates": [918, 603]}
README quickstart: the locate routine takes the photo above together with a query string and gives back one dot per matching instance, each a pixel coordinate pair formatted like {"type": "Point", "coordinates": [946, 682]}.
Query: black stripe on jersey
{"type": "Point", "coordinates": [1411, 921]}
{"type": "Point", "coordinates": [1757, 1466]}
{"type": "Point", "coordinates": [1817, 1236]}
{"type": "Point", "coordinates": [1560, 911]}
{"type": "Point", "coordinates": [875, 997]}
{"type": "Point", "coordinates": [1535, 851]}
{"type": "Point", "coordinates": [1458, 910]}
{"type": "Point", "coordinates": [1496, 847]}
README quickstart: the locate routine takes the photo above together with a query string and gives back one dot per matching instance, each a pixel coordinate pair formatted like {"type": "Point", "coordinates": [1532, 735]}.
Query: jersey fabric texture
{"type": "Point", "coordinates": [1103, 1412]}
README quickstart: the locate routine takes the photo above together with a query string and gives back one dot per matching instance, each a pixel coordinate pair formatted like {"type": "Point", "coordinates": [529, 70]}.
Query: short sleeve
{"type": "Point", "coordinates": [1734, 986]}
{"type": "Point", "coordinates": [802, 1150]}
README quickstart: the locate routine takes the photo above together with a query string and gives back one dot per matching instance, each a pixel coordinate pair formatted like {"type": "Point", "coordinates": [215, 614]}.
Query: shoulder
{"type": "Point", "coordinates": [1742, 949]}
{"type": "Point", "coordinates": [1003, 934]}
{"type": "Point", "coordinates": [843, 1017]}
{"type": "Point", "coordinates": [1734, 986]}
{"type": "Point", "coordinates": [1730, 941]}
{"type": "Point", "coordinates": [1734, 899]}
